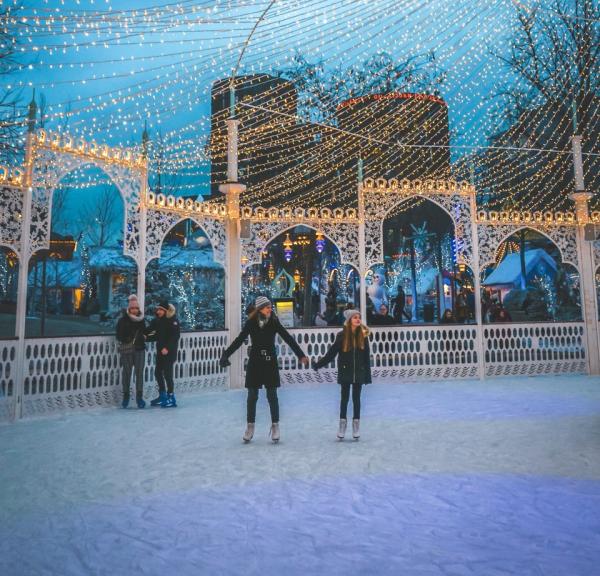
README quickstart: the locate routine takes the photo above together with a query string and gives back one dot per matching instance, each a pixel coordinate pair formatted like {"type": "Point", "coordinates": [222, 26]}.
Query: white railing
{"type": "Point", "coordinates": [534, 348]}
{"type": "Point", "coordinates": [72, 373]}
{"type": "Point", "coordinates": [79, 372]}
{"type": "Point", "coordinates": [8, 373]}
{"type": "Point", "coordinates": [397, 353]}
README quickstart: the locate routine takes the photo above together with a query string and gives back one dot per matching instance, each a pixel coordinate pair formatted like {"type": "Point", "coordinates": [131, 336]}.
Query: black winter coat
{"type": "Point", "coordinates": [165, 332]}
{"type": "Point", "coordinates": [129, 330]}
{"type": "Point", "coordinates": [354, 366]}
{"type": "Point", "coordinates": [263, 368]}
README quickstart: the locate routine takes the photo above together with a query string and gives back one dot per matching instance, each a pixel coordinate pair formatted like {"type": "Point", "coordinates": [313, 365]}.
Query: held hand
{"type": "Point", "coordinates": [224, 362]}
{"type": "Point", "coordinates": [314, 366]}
{"type": "Point", "coordinates": [164, 351]}
{"type": "Point", "coordinates": [304, 360]}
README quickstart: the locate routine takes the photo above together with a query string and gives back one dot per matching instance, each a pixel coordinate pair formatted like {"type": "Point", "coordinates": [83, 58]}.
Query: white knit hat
{"type": "Point", "coordinates": [261, 302]}
{"type": "Point", "coordinates": [132, 301]}
{"type": "Point", "coordinates": [349, 313]}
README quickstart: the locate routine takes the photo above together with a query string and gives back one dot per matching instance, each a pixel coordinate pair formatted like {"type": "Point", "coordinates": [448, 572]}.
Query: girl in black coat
{"type": "Point", "coordinates": [263, 369]}
{"type": "Point", "coordinates": [354, 367]}
{"type": "Point", "coordinates": [130, 335]}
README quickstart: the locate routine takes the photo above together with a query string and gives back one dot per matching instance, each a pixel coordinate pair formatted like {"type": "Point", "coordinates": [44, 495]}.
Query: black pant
{"type": "Point", "coordinates": [253, 398]}
{"type": "Point", "coordinates": [164, 372]}
{"type": "Point", "coordinates": [133, 361]}
{"type": "Point", "coordinates": [356, 389]}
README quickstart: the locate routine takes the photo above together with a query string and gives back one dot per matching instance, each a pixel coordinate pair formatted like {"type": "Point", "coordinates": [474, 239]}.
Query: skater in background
{"type": "Point", "coordinates": [130, 335]}
{"type": "Point", "coordinates": [263, 369]}
{"type": "Point", "coordinates": [164, 330]}
{"type": "Point", "coordinates": [351, 346]}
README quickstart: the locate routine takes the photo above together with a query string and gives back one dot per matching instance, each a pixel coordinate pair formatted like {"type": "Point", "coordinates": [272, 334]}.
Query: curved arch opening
{"type": "Point", "coordinates": [420, 277]}
{"type": "Point", "coordinates": [187, 276]}
{"type": "Point", "coordinates": [80, 284]}
{"type": "Point", "coordinates": [302, 273]}
{"type": "Point", "coordinates": [9, 279]}
{"type": "Point", "coordinates": [529, 282]}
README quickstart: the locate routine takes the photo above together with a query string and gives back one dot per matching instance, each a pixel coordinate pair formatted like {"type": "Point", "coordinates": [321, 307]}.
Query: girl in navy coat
{"type": "Point", "coordinates": [351, 346]}
{"type": "Point", "coordinates": [262, 327]}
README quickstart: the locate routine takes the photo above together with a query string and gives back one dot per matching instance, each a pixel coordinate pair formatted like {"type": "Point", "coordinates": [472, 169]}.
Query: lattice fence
{"type": "Point", "coordinates": [8, 370]}
{"type": "Point", "coordinates": [74, 373]}
{"type": "Point", "coordinates": [531, 349]}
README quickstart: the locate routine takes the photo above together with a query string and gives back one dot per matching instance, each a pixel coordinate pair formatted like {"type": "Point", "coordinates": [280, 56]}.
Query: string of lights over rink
{"type": "Point", "coordinates": [107, 70]}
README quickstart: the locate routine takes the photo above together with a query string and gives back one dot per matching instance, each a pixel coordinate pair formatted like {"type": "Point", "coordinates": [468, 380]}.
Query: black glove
{"type": "Point", "coordinates": [314, 365]}
{"type": "Point", "coordinates": [224, 362]}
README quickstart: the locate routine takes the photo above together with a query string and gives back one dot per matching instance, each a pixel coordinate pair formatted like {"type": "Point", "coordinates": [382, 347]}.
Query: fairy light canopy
{"type": "Point", "coordinates": [475, 91]}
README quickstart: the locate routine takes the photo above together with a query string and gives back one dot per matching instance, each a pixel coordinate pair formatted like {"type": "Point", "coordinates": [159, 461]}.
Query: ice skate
{"type": "Point", "coordinates": [342, 429]}
{"type": "Point", "coordinates": [125, 402]}
{"type": "Point", "coordinates": [170, 402]}
{"type": "Point", "coordinates": [249, 433]}
{"type": "Point", "coordinates": [275, 432]}
{"type": "Point", "coordinates": [158, 401]}
{"type": "Point", "coordinates": [356, 429]}
{"type": "Point", "coordinates": [141, 403]}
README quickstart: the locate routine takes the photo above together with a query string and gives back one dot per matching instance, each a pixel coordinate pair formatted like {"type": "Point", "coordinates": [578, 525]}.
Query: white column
{"type": "Point", "coordinates": [480, 341]}
{"type": "Point", "coordinates": [25, 248]}
{"type": "Point", "coordinates": [141, 272]}
{"type": "Point", "coordinates": [362, 263]}
{"type": "Point", "coordinates": [585, 253]}
{"type": "Point", "coordinates": [233, 268]}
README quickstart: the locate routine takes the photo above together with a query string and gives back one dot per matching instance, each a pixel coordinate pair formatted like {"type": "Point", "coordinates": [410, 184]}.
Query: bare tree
{"type": "Point", "coordinates": [99, 217]}
{"type": "Point", "coordinates": [554, 73]}
{"type": "Point", "coordinates": [320, 90]}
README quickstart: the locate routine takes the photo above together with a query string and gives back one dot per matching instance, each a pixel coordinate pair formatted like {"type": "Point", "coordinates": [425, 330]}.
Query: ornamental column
{"type": "Point", "coordinates": [362, 256]}
{"type": "Point", "coordinates": [233, 267]}
{"type": "Point", "coordinates": [24, 257]}
{"type": "Point", "coordinates": [585, 254]}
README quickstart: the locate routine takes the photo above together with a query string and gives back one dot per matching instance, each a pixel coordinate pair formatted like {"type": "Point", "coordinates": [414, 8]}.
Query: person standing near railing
{"type": "Point", "coordinates": [262, 327]}
{"type": "Point", "coordinates": [351, 346]}
{"type": "Point", "coordinates": [164, 330]}
{"type": "Point", "coordinates": [130, 335]}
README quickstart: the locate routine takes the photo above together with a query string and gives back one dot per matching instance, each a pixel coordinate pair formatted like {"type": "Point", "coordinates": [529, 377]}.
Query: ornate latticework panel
{"type": "Point", "coordinates": [491, 237]}
{"type": "Point", "coordinates": [11, 209]}
{"type": "Point", "coordinates": [531, 349]}
{"type": "Point", "coordinates": [68, 373]}
{"type": "Point", "coordinates": [8, 372]}
{"type": "Point", "coordinates": [397, 353]}
{"type": "Point", "coordinates": [51, 166]}
{"type": "Point", "coordinates": [379, 202]}
{"type": "Point", "coordinates": [159, 222]}
{"type": "Point", "coordinates": [343, 234]}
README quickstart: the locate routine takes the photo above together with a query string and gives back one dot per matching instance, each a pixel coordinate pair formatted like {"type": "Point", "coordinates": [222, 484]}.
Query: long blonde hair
{"type": "Point", "coordinates": [352, 339]}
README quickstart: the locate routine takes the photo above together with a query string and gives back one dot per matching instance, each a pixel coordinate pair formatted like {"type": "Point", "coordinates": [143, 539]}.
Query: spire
{"type": "Point", "coordinates": [145, 140]}
{"type": "Point", "coordinates": [31, 114]}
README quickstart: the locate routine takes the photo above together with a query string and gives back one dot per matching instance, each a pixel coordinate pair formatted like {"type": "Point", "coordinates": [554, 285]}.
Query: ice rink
{"type": "Point", "coordinates": [485, 478]}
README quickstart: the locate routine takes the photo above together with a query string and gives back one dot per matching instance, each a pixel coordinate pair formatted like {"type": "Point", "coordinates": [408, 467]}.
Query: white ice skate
{"type": "Point", "coordinates": [275, 432]}
{"type": "Point", "coordinates": [356, 429]}
{"type": "Point", "coordinates": [342, 429]}
{"type": "Point", "coordinates": [249, 433]}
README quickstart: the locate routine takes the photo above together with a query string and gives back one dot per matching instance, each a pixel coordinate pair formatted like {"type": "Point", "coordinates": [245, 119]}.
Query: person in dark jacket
{"type": "Point", "coordinates": [447, 317]}
{"type": "Point", "coordinates": [351, 346]}
{"type": "Point", "coordinates": [263, 369]}
{"type": "Point", "coordinates": [130, 335]}
{"type": "Point", "coordinates": [382, 318]}
{"type": "Point", "coordinates": [164, 330]}
{"type": "Point", "coordinates": [399, 304]}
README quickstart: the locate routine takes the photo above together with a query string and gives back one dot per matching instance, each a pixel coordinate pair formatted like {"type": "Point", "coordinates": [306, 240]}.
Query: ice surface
{"type": "Point", "coordinates": [449, 478]}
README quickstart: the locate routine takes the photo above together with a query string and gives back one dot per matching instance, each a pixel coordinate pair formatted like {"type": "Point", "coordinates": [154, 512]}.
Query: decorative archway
{"type": "Point", "coordinates": [11, 201]}
{"type": "Point", "coordinates": [55, 156]}
{"type": "Point", "coordinates": [380, 197]}
{"type": "Point", "coordinates": [159, 222]}
{"type": "Point", "coordinates": [343, 235]}
{"type": "Point", "coordinates": [491, 237]}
